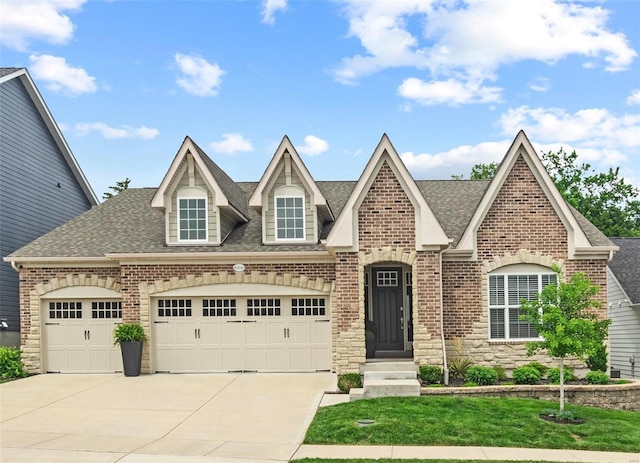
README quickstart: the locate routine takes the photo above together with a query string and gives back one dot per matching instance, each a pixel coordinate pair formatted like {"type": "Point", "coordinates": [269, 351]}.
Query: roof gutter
{"type": "Point", "coordinates": [225, 257]}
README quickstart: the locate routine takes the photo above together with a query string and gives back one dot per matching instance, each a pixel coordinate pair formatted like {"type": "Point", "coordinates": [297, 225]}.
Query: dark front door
{"type": "Point", "coordinates": [387, 308]}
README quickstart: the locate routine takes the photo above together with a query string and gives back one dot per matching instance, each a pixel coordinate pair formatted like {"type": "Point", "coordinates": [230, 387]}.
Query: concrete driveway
{"type": "Point", "coordinates": [158, 418]}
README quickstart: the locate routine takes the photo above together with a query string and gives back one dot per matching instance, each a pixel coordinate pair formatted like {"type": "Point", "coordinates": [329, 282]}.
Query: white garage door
{"type": "Point", "coordinates": [205, 334]}
{"type": "Point", "coordinates": [78, 336]}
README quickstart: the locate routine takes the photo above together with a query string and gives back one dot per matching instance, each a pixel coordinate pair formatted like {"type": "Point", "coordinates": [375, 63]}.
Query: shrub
{"type": "Point", "coordinates": [430, 374]}
{"type": "Point", "coordinates": [566, 415]}
{"type": "Point", "coordinates": [501, 372]}
{"type": "Point", "coordinates": [597, 377]}
{"type": "Point", "coordinates": [483, 376]}
{"type": "Point", "coordinates": [598, 360]}
{"type": "Point", "coordinates": [11, 365]}
{"type": "Point", "coordinates": [347, 381]}
{"type": "Point", "coordinates": [554, 375]}
{"type": "Point", "coordinates": [526, 375]}
{"type": "Point", "coordinates": [128, 332]}
{"type": "Point", "coordinates": [459, 366]}
{"type": "Point", "coordinates": [543, 369]}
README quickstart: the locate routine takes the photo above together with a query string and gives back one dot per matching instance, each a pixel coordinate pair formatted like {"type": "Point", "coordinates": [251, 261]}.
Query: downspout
{"type": "Point", "coordinates": [15, 266]}
{"type": "Point", "coordinates": [445, 367]}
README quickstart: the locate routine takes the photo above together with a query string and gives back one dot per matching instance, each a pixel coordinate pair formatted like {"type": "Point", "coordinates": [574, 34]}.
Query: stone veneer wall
{"type": "Point", "coordinates": [386, 234]}
{"type": "Point", "coordinates": [521, 227]}
{"type": "Point", "coordinates": [614, 396]}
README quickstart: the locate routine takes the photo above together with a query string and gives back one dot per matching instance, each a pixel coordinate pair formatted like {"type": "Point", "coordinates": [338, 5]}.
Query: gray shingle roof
{"type": "Point", "coordinates": [128, 224]}
{"type": "Point", "coordinates": [625, 265]}
{"type": "Point", "coordinates": [7, 71]}
{"type": "Point", "coordinates": [231, 189]}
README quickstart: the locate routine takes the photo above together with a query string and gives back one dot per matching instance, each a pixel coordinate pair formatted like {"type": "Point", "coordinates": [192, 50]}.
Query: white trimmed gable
{"type": "Point", "coordinates": [428, 231]}
{"type": "Point", "coordinates": [578, 243]}
{"type": "Point", "coordinates": [287, 176]}
{"type": "Point", "coordinates": [189, 177]}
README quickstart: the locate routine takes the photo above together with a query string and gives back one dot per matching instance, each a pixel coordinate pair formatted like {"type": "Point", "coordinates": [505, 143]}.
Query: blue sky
{"type": "Point", "coordinates": [450, 82]}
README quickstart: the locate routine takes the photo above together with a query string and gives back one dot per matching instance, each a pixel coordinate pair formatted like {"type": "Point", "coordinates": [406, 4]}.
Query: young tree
{"type": "Point", "coordinates": [563, 314]}
{"type": "Point", "coordinates": [120, 186]}
{"type": "Point", "coordinates": [484, 171]}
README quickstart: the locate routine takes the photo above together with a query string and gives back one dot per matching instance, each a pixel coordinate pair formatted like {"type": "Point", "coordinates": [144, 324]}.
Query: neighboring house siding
{"type": "Point", "coordinates": [521, 218]}
{"type": "Point", "coordinates": [31, 202]}
{"type": "Point", "coordinates": [211, 209]}
{"type": "Point", "coordinates": [271, 212]}
{"type": "Point", "coordinates": [624, 332]}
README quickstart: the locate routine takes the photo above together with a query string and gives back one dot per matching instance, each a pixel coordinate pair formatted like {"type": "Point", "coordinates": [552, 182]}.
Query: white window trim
{"type": "Point", "coordinates": [206, 219]}
{"type": "Point", "coordinates": [275, 217]}
{"type": "Point", "coordinates": [506, 306]}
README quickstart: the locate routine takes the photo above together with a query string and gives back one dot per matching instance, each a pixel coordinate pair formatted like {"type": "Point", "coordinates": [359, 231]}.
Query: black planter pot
{"type": "Point", "coordinates": [131, 357]}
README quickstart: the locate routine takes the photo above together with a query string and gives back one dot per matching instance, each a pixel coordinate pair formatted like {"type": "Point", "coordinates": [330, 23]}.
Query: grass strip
{"type": "Point", "coordinates": [464, 421]}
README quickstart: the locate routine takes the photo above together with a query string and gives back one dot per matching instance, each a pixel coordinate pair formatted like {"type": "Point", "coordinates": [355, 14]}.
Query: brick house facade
{"type": "Point", "coordinates": [434, 265]}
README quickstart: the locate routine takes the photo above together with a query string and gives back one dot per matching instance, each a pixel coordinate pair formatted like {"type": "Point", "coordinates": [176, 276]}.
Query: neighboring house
{"type": "Point", "coordinates": [41, 184]}
{"type": "Point", "coordinates": [623, 285]}
{"type": "Point", "coordinates": [280, 275]}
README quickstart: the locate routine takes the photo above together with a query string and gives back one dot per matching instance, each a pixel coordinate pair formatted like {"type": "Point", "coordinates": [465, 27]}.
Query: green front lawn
{"type": "Point", "coordinates": [493, 422]}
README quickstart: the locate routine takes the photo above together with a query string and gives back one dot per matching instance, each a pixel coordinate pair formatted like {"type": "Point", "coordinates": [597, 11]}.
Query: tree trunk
{"type": "Point", "coordinates": [561, 384]}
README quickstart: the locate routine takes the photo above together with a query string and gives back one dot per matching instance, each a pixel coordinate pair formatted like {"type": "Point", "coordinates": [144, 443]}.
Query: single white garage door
{"type": "Point", "coordinates": [220, 334]}
{"type": "Point", "coordinates": [78, 336]}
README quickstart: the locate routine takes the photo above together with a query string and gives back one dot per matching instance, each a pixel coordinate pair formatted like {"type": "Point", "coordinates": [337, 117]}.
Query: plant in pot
{"type": "Point", "coordinates": [370, 338]}
{"type": "Point", "coordinates": [130, 337]}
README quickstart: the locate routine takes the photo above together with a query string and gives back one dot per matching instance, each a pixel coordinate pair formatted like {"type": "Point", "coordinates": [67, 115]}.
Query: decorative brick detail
{"type": "Point", "coordinates": [147, 289]}
{"type": "Point", "coordinates": [32, 289]}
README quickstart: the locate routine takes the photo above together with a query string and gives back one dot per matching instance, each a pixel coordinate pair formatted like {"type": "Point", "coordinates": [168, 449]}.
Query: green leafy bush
{"type": "Point", "coordinates": [543, 369]}
{"type": "Point", "coordinates": [566, 415]}
{"type": "Point", "coordinates": [128, 332]}
{"type": "Point", "coordinates": [11, 365]}
{"type": "Point", "coordinates": [483, 376]}
{"type": "Point", "coordinates": [597, 377]}
{"type": "Point", "coordinates": [526, 375]}
{"type": "Point", "coordinates": [459, 366]}
{"type": "Point", "coordinates": [553, 375]}
{"type": "Point", "coordinates": [598, 360]}
{"type": "Point", "coordinates": [430, 374]}
{"type": "Point", "coordinates": [347, 381]}
{"type": "Point", "coordinates": [501, 372]}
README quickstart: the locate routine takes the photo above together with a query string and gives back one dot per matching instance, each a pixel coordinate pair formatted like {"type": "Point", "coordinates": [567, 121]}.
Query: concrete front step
{"type": "Point", "coordinates": [388, 366]}
{"type": "Point", "coordinates": [373, 375]}
{"type": "Point", "coordinates": [391, 388]}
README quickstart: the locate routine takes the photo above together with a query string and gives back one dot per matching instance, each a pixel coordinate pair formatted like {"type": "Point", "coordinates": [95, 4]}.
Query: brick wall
{"type": "Point", "coordinates": [520, 227]}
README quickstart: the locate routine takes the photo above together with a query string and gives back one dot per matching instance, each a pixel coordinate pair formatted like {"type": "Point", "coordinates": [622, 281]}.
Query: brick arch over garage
{"type": "Point", "coordinates": [275, 279]}
{"type": "Point", "coordinates": [32, 348]}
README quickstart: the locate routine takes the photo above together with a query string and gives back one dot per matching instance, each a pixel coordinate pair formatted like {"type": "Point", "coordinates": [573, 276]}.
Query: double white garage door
{"type": "Point", "coordinates": [210, 334]}
{"type": "Point", "coordinates": [192, 331]}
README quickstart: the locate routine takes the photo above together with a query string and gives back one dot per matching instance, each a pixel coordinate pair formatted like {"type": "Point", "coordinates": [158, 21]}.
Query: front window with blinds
{"type": "Point", "coordinates": [290, 218]}
{"type": "Point", "coordinates": [505, 294]}
{"type": "Point", "coordinates": [192, 221]}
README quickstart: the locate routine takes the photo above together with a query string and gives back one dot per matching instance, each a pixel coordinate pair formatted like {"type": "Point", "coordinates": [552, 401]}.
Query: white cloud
{"type": "Point", "coordinates": [269, 7]}
{"type": "Point", "coordinates": [539, 84]}
{"type": "Point", "coordinates": [461, 157]}
{"type": "Point", "coordinates": [634, 98]}
{"type": "Point", "coordinates": [467, 41]}
{"type": "Point", "coordinates": [61, 77]}
{"type": "Point", "coordinates": [593, 128]}
{"type": "Point", "coordinates": [110, 133]}
{"type": "Point", "coordinates": [313, 146]}
{"type": "Point", "coordinates": [231, 143]}
{"type": "Point", "coordinates": [451, 91]}
{"type": "Point", "coordinates": [23, 21]}
{"type": "Point", "coordinates": [198, 76]}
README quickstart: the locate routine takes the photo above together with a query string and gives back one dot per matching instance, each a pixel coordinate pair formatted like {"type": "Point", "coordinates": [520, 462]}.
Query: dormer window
{"type": "Point", "coordinates": [192, 222]}
{"type": "Point", "coordinates": [290, 218]}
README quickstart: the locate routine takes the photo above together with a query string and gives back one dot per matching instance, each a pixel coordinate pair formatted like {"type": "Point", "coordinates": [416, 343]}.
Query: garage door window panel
{"type": "Point", "coordinates": [106, 309]}
{"type": "Point", "coordinates": [65, 310]}
{"type": "Point", "coordinates": [308, 307]}
{"type": "Point", "coordinates": [263, 307]}
{"type": "Point", "coordinates": [219, 308]}
{"type": "Point", "coordinates": [174, 308]}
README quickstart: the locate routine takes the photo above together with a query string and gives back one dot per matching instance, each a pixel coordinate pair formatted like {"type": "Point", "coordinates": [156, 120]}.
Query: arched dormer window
{"type": "Point", "coordinates": [192, 215]}
{"type": "Point", "coordinates": [289, 213]}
